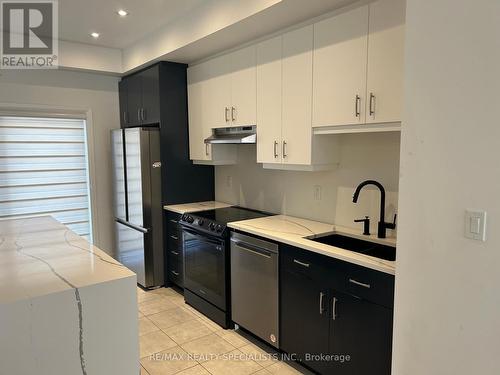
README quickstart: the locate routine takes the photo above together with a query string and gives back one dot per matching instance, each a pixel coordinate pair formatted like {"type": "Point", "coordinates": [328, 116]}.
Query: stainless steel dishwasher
{"type": "Point", "coordinates": [254, 286]}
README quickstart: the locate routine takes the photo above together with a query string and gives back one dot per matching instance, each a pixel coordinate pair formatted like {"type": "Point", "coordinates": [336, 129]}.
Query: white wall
{"type": "Point", "coordinates": [76, 91]}
{"type": "Point", "coordinates": [363, 156]}
{"type": "Point", "coordinates": [447, 309]}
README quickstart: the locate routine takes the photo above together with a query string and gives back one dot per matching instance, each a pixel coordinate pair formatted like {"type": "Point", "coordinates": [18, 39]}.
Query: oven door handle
{"type": "Point", "coordinates": [204, 238]}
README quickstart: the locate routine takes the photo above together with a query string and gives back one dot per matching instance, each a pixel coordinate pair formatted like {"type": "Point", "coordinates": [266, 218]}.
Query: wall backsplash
{"type": "Point", "coordinates": [363, 156]}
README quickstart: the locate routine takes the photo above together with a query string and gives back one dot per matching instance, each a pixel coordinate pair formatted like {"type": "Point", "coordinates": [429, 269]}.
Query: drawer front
{"type": "Point", "coordinates": [174, 241]}
{"type": "Point", "coordinates": [173, 221]}
{"type": "Point", "coordinates": [174, 228]}
{"type": "Point", "coordinates": [176, 272]}
{"type": "Point", "coordinates": [175, 255]}
{"type": "Point", "coordinates": [345, 277]}
{"type": "Point", "coordinates": [373, 286]}
{"type": "Point", "coordinates": [302, 262]}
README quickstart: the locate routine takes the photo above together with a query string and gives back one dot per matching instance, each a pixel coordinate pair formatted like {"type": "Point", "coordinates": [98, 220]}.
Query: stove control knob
{"type": "Point", "coordinates": [211, 226]}
{"type": "Point", "coordinates": [189, 219]}
{"type": "Point", "coordinates": [200, 222]}
{"type": "Point", "coordinates": [219, 228]}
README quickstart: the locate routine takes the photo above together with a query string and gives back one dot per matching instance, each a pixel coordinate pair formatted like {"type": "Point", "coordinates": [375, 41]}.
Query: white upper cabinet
{"type": "Point", "coordinates": [269, 103]}
{"type": "Point", "coordinates": [243, 87]}
{"type": "Point", "coordinates": [339, 83]}
{"type": "Point", "coordinates": [284, 105]}
{"type": "Point", "coordinates": [343, 74]}
{"type": "Point", "coordinates": [197, 129]}
{"type": "Point", "coordinates": [385, 61]}
{"type": "Point", "coordinates": [297, 96]}
{"type": "Point", "coordinates": [217, 93]}
{"type": "Point", "coordinates": [203, 96]}
{"type": "Point", "coordinates": [358, 68]}
{"type": "Point", "coordinates": [231, 89]}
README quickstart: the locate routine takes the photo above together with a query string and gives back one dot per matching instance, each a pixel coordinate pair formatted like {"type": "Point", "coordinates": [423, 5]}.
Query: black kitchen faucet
{"type": "Point", "coordinates": [382, 224]}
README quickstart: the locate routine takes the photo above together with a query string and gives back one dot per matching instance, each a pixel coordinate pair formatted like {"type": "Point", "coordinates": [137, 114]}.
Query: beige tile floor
{"type": "Point", "coordinates": [177, 339]}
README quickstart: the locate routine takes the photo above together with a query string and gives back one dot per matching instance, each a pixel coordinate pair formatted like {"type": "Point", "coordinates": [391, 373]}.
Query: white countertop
{"type": "Point", "coordinates": [292, 231]}
{"type": "Point", "coordinates": [40, 256]}
{"type": "Point", "coordinates": [186, 208]}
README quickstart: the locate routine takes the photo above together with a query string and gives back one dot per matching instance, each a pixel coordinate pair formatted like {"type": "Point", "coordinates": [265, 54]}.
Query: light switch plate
{"type": "Point", "coordinates": [475, 225]}
{"type": "Point", "coordinates": [317, 192]}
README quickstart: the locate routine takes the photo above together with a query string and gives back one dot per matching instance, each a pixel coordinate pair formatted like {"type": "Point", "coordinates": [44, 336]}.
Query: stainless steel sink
{"type": "Point", "coordinates": [358, 246]}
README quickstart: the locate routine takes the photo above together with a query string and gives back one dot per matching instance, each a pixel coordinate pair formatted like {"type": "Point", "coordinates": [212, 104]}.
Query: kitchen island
{"type": "Point", "coordinates": [66, 307]}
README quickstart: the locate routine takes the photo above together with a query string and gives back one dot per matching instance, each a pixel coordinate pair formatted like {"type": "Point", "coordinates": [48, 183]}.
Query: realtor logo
{"type": "Point", "coordinates": [29, 34]}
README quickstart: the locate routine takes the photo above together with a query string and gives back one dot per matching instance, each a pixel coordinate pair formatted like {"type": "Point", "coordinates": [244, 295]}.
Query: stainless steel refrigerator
{"type": "Point", "coordinates": [138, 203]}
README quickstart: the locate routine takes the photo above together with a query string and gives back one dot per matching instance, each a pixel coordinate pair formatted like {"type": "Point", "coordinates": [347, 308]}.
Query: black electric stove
{"type": "Point", "coordinates": [205, 241]}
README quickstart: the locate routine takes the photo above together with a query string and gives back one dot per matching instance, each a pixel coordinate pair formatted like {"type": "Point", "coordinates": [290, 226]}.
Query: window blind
{"type": "Point", "coordinates": [43, 171]}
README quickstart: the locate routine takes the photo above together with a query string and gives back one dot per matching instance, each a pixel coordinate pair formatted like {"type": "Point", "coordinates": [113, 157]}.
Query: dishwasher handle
{"type": "Point", "coordinates": [251, 248]}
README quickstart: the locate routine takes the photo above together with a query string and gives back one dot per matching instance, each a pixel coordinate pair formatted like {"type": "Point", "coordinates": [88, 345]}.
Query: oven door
{"type": "Point", "coordinates": [205, 267]}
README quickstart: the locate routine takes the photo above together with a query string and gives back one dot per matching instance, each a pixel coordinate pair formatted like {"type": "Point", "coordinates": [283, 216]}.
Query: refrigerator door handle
{"type": "Point", "coordinates": [136, 227]}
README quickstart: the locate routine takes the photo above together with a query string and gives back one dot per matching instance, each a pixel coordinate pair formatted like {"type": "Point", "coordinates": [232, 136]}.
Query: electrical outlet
{"type": "Point", "coordinates": [229, 181]}
{"type": "Point", "coordinates": [317, 192]}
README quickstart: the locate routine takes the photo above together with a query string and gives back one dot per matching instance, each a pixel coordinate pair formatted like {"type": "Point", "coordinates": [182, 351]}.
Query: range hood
{"type": "Point", "coordinates": [235, 135]}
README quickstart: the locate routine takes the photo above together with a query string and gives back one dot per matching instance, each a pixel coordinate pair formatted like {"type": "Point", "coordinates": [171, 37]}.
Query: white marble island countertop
{"type": "Point", "coordinates": [41, 256]}
{"type": "Point", "coordinates": [186, 208]}
{"type": "Point", "coordinates": [294, 231]}
{"type": "Point", "coordinates": [66, 307]}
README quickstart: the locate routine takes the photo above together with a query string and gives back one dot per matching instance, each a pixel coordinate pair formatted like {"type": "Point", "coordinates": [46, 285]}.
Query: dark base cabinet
{"type": "Point", "coordinates": [335, 317]}
{"type": "Point", "coordinates": [175, 255]}
{"type": "Point", "coordinates": [304, 317]}
{"type": "Point", "coordinates": [362, 330]}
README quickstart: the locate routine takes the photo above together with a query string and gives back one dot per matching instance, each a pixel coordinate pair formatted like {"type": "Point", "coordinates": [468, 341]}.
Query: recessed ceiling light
{"type": "Point", "coordinates": [122, 13]}
{"type": "Point", "coordinates": [94, 35]}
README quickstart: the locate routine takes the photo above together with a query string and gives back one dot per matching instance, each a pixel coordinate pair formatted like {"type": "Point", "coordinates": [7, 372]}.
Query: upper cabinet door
{"type": "Point", "coordinates": [385, 61]}
{"type": "Point", "coordinates": [269, 54]}
{"type": "Point", "coordinates": [217, 104]}
{"type": "Point", "coordinates": [134, 99]}
{"type": "Point", "coordinates": [197, 131]}
{"type": "Point", "coordinates": [243, 87]}
{"type": "Point", "coordinates": [340, 55]}
{"type": "Point", "coordinates": [150, 95]}
{"type": "Point", "coordinates": [297, 65]}
{"type": "Point", "coordinates": [123, 92]}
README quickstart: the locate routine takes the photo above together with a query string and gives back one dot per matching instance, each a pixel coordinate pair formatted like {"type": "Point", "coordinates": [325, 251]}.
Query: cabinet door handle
{"type": "Point", "coordinates": [284, 150]}
{"type": "Point", "coordinates": [143, 114]}
{"type": "Point", "coordinates": [174, 237]}
{"type": "Point", "coordinates": [139, 114]}
{"type": "Point", "coordinates": [301, 263]}
{"type": "Point", "coordinates": [233, 116]}
{"type": "Point", "coordinates": [334, 308]}
{"type": "Point", "coordinates": [321, 308]}
{"type": "Point", "coordinates": [275, 149]}
{"type": "Point", "coordinates": [174, 221]}
{"type": "Point", "coordinates": [355, 282]}
{"type": "Point", "coordinates": [174, 252]}
{"type": "Point", "coordinates": [206, 149]}
{"type": "Point", "coordinates": [175, 273]}
{"type": "Point", "coordinates": [372, 102]}
{"type": "Point", "coordinates": [357, 105]}
{"type": "Point", "coordinates": [124, 117]}
{"type": "Point", "coordinates": [226, 114]}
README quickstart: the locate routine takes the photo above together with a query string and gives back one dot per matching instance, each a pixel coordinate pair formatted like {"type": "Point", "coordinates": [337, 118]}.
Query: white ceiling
{"type": "Point", "coordinates": [79, 18]}
{"type": "Point", "coordinates": [282, 15]}
{"type": "Point", "coordinates": [173, 30]}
